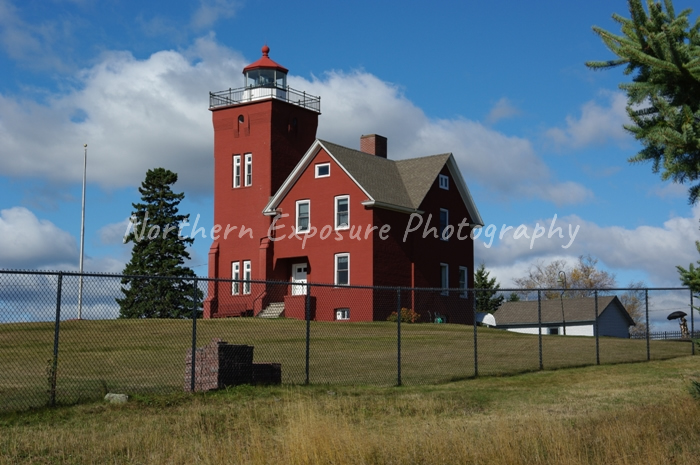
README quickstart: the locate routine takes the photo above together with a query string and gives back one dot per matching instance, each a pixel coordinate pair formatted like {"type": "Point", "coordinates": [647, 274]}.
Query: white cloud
{"type": "Point", "coordinates": [140, 114]}
{"type": "Point", "coordinates": [210, 11]}
{"type": "Point", "coordinates": [501, 110]}
{"type": "Point", "coordinates": [596, 125]}
{"type": "Point", "coordinates": [113, 233]}
{"type": "Point", "coordinates": [654, 251]}
{"type": "Point", "coordinates": [359, 103]}
{"type": "Point", "coordinates": [669, 190]}
{"type": "Point", "coordinates": [28, 242]}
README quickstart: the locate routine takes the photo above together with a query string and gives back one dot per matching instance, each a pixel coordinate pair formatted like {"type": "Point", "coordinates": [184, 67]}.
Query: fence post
{"type": "Point", "coordinates": [308, 328]}
{"type": "Point", "coordinates": [692, 325]}
{"type": "Point", "coordinates": [54, 362]}
{"type": "Point", "coordinates": [597, 341]}
{"type": "Point", "coordinates": [646, 304]}
{"type": "Point", "coordinates": [195, 307]}
{"type": "Point", "coordinates": [398, 336]}
{"type": "Point", "coordinates": [476, 345]}
{"type": "Point", "coordinates": [539, 325]}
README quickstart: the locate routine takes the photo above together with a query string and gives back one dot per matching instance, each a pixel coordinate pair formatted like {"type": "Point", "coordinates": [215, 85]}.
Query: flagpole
{"type": "Point", "coordinates": [82, 238]}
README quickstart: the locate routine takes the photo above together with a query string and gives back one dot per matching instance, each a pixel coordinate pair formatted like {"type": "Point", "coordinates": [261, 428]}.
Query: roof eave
{"type": "Point", "coordinates": [389, 206]}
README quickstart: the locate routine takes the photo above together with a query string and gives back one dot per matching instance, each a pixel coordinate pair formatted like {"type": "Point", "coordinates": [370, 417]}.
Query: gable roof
{"type": "Point", "coordinates": [396, 185]}
{"type": "Point", "coordinates": [579, 310]}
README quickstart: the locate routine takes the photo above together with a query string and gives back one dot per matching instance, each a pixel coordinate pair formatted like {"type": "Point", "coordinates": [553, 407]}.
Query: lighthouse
{"type": "Point", "coordinates": [261, 131]}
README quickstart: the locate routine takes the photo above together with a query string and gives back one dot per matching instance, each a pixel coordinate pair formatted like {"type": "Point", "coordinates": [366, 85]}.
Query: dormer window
{"type": "Point", "coordinates": [444, 181]}
{"type": "Point", "coordinates": [323, 170]}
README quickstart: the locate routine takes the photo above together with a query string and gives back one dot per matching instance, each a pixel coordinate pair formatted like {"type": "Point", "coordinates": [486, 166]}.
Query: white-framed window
{"type": "Point", "coordinates": [247, 276]}
{"type": "Point", "coordinates": [323, 170]}
{"type": "Point", "coordinates": [235, 276]}
{"type": "Point", "coordinates": [342, 269]}
{"type": "Point", "coordinates": [236, 171]}
{"type": "Point", "coordinates": [444, 181]}
{"type": "Point", "coordinates": [444, 278]}
{"type": "Point", "coordinates": [342, 212]}
{"type": "Point", "coordinates": [463, 281]}
{"type": "Point", "coordinates": [342, 314]}
{"type": "Point", "coordinates": [248, 169]}
{"type": "Point", "coordinates": [303, 215]}
{"type": "Point", "coordinates": [444, 222]}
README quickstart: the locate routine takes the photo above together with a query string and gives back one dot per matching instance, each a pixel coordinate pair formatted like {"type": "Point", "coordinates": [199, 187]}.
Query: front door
{"type": "Point", "coordinates": [299, 277]}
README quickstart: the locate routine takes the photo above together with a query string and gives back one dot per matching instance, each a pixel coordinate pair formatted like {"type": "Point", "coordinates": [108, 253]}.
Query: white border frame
{"type": "Point", "coordinates": [464, 294]}
{"type": "Point", "coordinates": [444, 182]}
{"type": "Point", "coordinates": [247, 276]}
{"type": "Point", "coordinates": [446, 285]}
{"type": "Point", "coordinates": [248, 170]}
{"type": "Point", "coordinates": [335, 268]}
{"type": "Point", "coordinates": [235, 277]}
{"type": "Point", "coordinates": [236, 165]}
{"type": "Point", "coordinates": [296, 220]}
{"type": "Point", "coordinates": [318, 165]}
{"type": "Point", "coordinates": [335, 212]}
{"type": "Point", "coordinates": [442, 236]}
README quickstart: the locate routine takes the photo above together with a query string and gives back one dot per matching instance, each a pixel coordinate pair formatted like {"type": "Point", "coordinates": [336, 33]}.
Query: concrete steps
{"type": "Point", "coordinates": [274, 310]}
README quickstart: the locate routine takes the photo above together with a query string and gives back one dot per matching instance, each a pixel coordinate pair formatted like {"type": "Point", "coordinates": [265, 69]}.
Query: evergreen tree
{"type": "Point", "coordinates": [487, 300]}
{"type": "Point", "coordinates": [663, 99]}
{"type": "Point", "coordinates": [158, 251]}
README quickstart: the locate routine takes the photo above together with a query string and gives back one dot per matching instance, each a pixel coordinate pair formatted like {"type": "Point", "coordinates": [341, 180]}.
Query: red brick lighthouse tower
{"type": "Point", "coordinates": [261, 131]}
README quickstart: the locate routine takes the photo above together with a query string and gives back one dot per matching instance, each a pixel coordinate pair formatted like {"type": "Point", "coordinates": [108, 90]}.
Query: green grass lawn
{"type": "Point", "coordinates": [142, 356]}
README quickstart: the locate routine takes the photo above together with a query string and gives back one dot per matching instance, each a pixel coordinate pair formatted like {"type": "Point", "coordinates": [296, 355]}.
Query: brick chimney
{"type": "Point", "coordinates": [374, 144]}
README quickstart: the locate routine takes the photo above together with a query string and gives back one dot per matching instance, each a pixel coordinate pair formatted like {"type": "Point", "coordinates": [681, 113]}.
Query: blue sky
{"type": "Point", "coordinates": [500, 84]}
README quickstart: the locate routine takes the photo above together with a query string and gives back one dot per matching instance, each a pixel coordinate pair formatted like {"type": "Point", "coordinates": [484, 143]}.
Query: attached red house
{"type": "Point", "coordinates": [295, 209]}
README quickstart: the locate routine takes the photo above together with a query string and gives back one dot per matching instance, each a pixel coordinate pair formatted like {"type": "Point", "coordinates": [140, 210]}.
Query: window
{"type": "Point", "coordinates": [342, 212]}
{"type": "Point", "coordinates": [444, 222]}
{"type": "Point", "coordinates": [463, 282]}
{"type": "Point", "coordinates": [444, 278]}
{"type": "Point", "coordinates": [444, 181]}
{"type": "Point", "coordinates": [342, 269]}
{"type": "Point", "coordinates": [323, 170]}
{"type": "Point", "coordinates": [303, 215]}
{"type": "Point", "coordinates": [248, 169]}
{"type": "Point", "coordinates": [246, 277]}
{"type": "Point", "coordinates": [342, 313]}
{"type": "Point", "coordinates": [554, 331]}
{"type": "Point", "coordinates": [236, 171]}
{"type": "Point", "coordinates": [235, 276]}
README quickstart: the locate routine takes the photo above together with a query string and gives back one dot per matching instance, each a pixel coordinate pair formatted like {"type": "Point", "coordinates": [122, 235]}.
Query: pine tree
{"type": "Point", "coordinates": [158, 251]}
{"type": "Point", "coordinates": [663, 99]}
{"type": "Point", "coordinates": [489, 299]}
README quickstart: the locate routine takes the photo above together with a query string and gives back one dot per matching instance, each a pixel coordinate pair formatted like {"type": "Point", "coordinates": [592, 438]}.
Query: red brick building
{"type": "Point", "coordinates": [292, 208]}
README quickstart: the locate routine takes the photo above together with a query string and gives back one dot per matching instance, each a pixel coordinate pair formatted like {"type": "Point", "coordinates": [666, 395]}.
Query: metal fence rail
{"type": "Point", "coordinates": [49, 357]}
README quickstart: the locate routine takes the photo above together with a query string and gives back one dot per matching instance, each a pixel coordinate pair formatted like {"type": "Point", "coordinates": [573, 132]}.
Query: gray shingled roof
{"type": "Point", "coordinates": [403, 183]}
{"type": "Point", "coordinates": [575, 311]}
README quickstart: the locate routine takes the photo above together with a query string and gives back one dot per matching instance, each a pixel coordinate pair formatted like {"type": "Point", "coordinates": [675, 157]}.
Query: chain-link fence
{"type": "Point", "coordinates": [64, 338]}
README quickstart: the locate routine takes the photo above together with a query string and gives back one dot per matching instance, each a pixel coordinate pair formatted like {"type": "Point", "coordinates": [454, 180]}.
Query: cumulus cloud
{"type": "Point", "coordinates": [596, 125]}
{"type": "Point", "coordinates": [28, 242]}
{"type": "Point", "coordinates": [503, 109]}
{"type": "Point", "coordinates": [210, 11]}
{"type": "Point", "coordinates": [133, 114]}
{"type": "Point", "coordinates": [359, 103]}
{"type": "Point", "coordinates": [656, 251]}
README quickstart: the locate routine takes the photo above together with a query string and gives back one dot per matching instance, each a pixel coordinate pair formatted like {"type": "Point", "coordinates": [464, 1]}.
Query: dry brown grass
{"type": "Point", "coordinates": [622, 414]}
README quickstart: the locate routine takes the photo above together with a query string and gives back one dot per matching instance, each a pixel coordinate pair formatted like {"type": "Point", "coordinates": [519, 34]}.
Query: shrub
{"type": "Point", "coordinates": [407, 316]}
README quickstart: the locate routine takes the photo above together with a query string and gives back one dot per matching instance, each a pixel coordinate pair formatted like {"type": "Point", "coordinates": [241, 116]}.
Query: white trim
{"type": "Point", "coordinates": [464, 294]}
{"type": "Point", "coordinates": [388, 206]}
{"type": "Point", "coordinates": [247, 276]}
{"type": "Point", "coordinates": [342, 314]}
{"type": "Point", "coordinates": [236, 171]}
{"type": "Point", "coordinates": [445, 285]}
{"type": "Point", "coordinates": [235, 275]}
{"type": "Point", "coordinates": [447, 223]}
{"type": "Point", "coordinates": [319, 165]}
{"type": "Point", "coordinates": [335, 267]}
{"type": "Point", "coordinates": [335, 212]}
{"type": "Point", "coordinates": [271, 207]}
{"type": "Point", "coordinates": [464, 191]}
{"type": "Point", "coordinates": [444, 182]}
{"type": "Point", "coordinates": [248, 179]}
{"type": "Point", "coordinates": [308, 225]}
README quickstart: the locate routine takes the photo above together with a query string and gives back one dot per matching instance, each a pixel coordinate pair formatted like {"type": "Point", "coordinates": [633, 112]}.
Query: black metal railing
{"type": "Point", "coordinates": [248, 94]}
